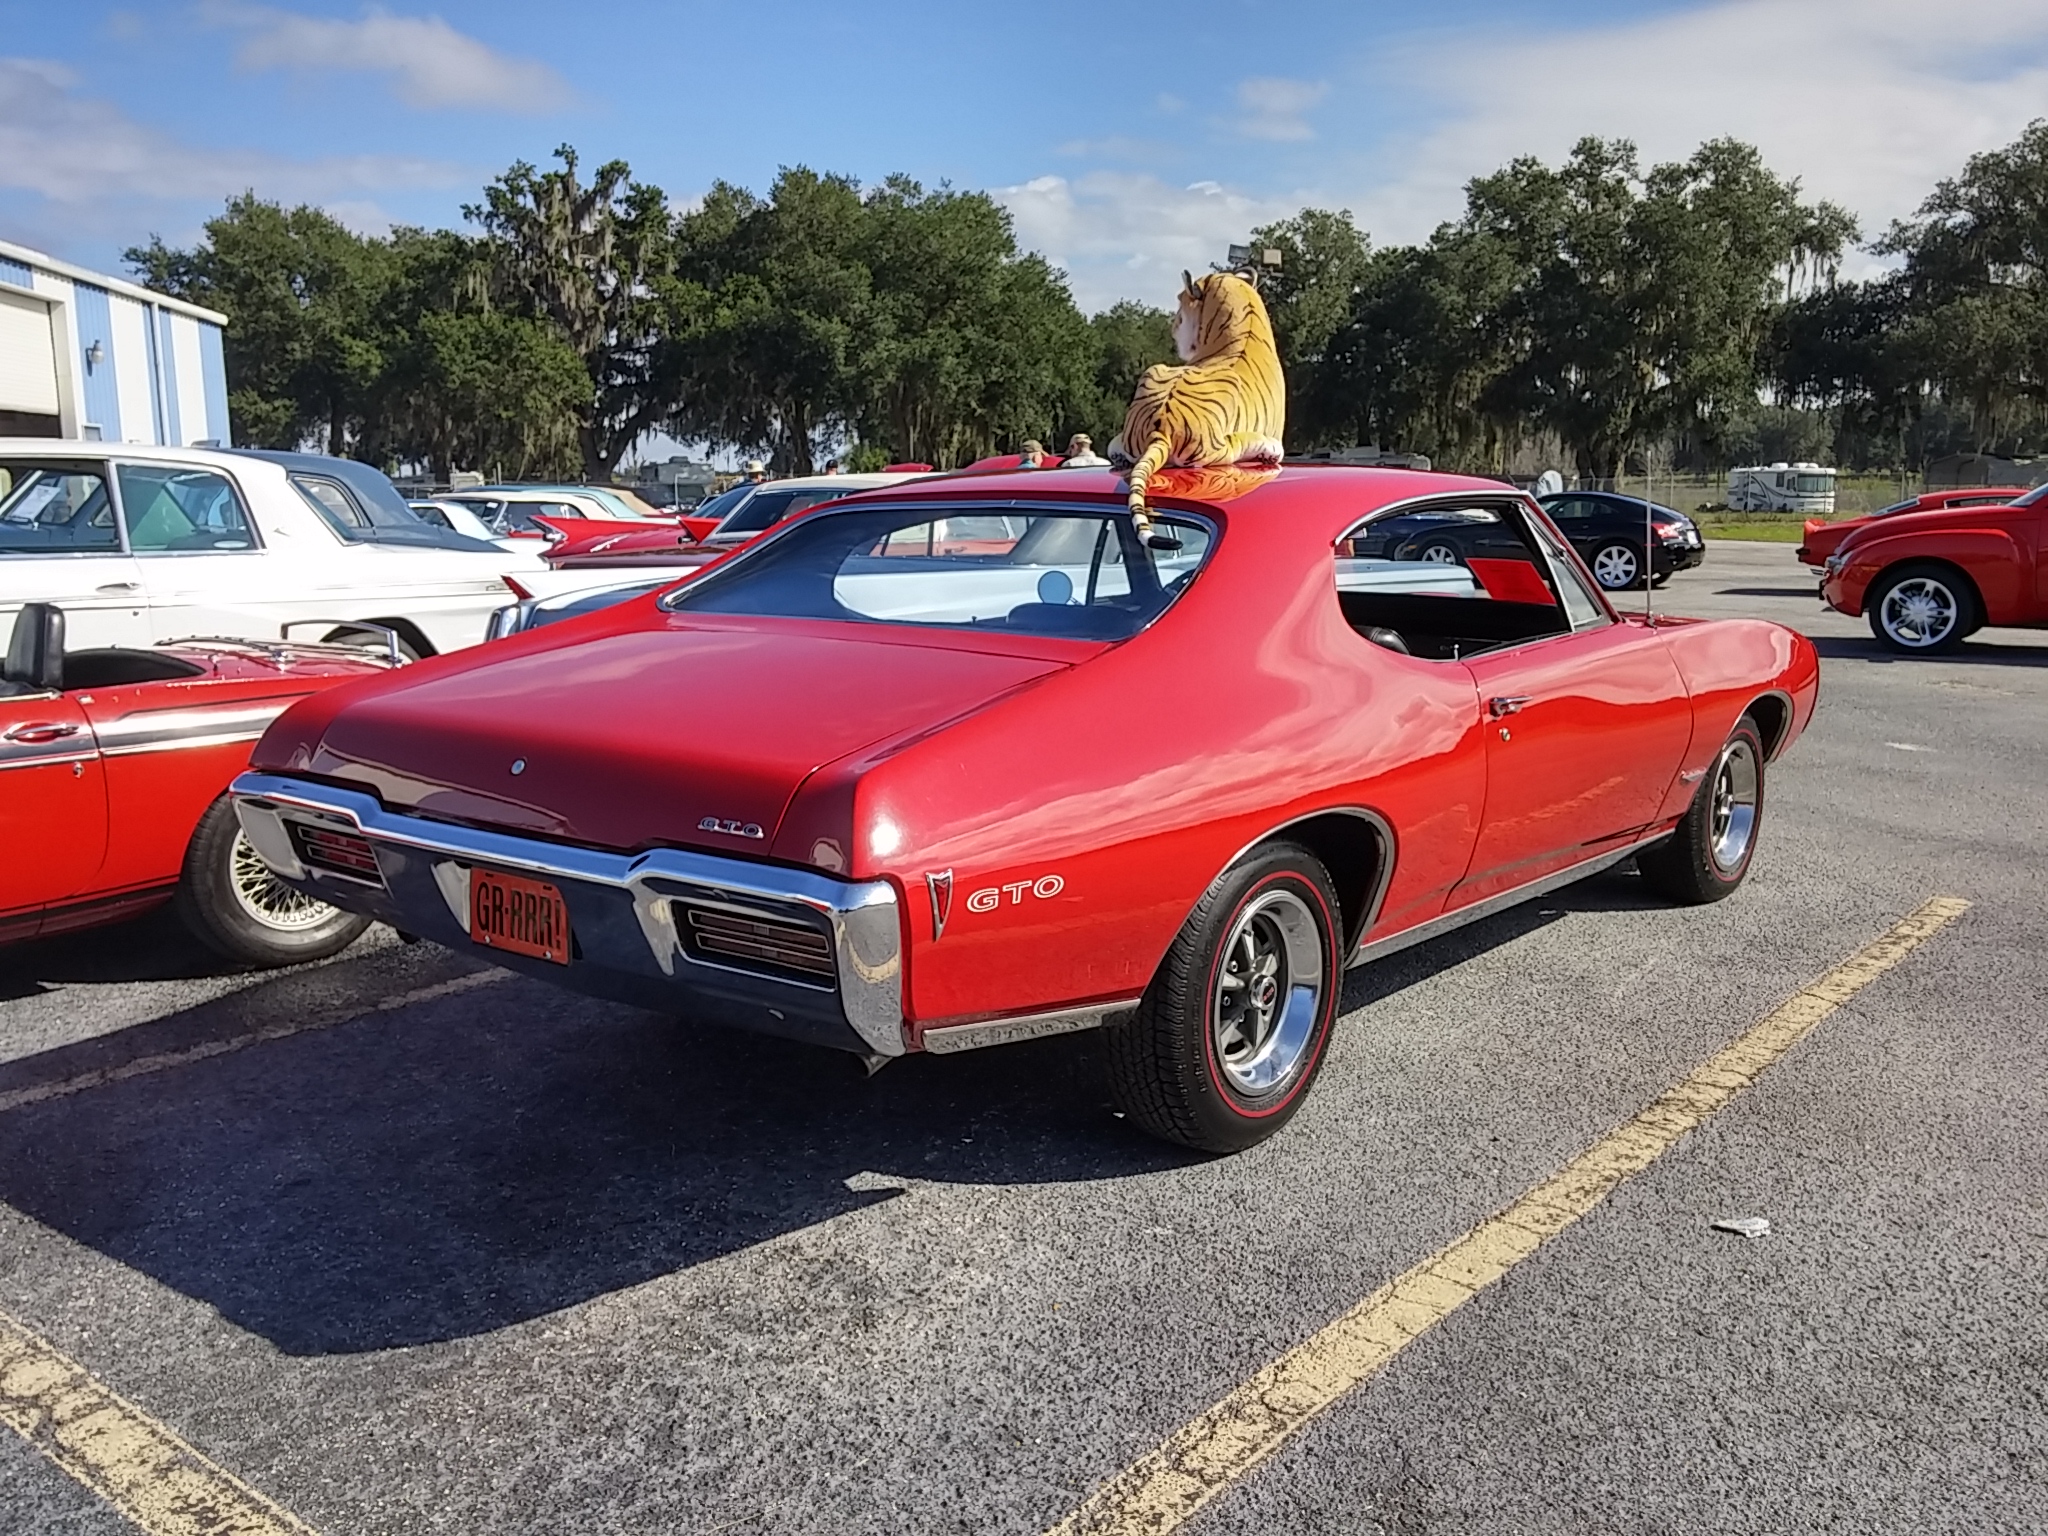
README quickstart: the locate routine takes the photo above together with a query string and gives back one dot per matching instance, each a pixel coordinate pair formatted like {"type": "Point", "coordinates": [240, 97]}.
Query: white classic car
{"type": "Point", "coordinates": [140, 544]}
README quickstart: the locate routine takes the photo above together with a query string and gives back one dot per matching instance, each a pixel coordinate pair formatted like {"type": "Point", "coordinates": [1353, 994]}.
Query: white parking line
{"type": "Point", "coordinates": [143, 1066]}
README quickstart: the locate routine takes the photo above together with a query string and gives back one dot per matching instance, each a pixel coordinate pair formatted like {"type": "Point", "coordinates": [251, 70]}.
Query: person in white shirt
{"type": "Point", "coordinates": [1081, 453]}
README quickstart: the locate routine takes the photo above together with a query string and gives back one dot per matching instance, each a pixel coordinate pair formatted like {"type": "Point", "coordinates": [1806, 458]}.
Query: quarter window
{"type": "Point", "coordinates": [170, 510]}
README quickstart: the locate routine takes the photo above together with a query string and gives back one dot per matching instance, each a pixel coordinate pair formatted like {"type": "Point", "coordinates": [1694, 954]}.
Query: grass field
{"type": "Point", "coordinates": [1765, 528]}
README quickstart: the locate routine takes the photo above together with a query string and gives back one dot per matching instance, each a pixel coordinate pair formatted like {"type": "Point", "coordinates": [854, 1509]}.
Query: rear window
{"type": "Point", "coordinates": [770, 507]}
{"type": "Point", "coordinates": [1085, 575]}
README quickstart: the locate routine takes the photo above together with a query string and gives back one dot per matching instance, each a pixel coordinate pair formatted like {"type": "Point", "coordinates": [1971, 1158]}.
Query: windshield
{"type": "Point", "coordinates": [1085, 575]}
{"type": "Point", "coordinates": [2035, 496]}
{"type": "Point", "coordinates": [723, 503]}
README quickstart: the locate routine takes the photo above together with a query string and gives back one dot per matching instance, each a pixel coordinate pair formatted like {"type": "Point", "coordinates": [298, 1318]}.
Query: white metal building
{"type": "Point", "coordinates": [84, 355]}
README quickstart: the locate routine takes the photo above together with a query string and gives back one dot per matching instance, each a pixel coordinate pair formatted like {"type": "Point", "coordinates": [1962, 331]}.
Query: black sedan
{"type": "Point", "coordinates": [1606, 528]}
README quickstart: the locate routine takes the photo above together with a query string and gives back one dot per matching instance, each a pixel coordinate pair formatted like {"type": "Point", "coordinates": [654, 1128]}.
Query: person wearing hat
{"type": "Point", "coordinates": [755, 471]}
{"type": "Point", "coordinates": [1081, 453]}
{"type": "Point", "coordinates": [1033, 456]}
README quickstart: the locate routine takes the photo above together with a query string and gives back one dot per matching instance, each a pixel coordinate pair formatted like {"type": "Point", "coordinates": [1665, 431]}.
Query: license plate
{"type": "Point", "coordinates": [522, 916]}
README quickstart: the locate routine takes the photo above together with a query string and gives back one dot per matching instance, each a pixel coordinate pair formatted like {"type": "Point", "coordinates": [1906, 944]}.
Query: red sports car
{"type": "Point", "coordinates": [1823, 538]}
{"type": "Point", "coordinates": [1927, 580]}
{"type": "Point", "coordinates": [1167, 783]}
{"type": "Point", "coordinates": [114, 764]}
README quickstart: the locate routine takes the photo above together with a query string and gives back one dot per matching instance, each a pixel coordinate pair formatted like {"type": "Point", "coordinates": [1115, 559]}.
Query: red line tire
{"type": "Point", "coordinates": [1235, 1025]}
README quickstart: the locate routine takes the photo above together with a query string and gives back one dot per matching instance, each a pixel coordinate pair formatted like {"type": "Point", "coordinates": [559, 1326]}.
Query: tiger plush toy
{"type": "Point", "coordinates": [1227, 405]}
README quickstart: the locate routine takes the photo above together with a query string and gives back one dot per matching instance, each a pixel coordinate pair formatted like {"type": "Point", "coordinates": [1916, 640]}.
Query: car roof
{"type": "Point", "coordinates": [848, 483]}
{"type": "Point", "coordinates": [1240, 487]}
{"type": "Point", "coordinates": [85, 448]}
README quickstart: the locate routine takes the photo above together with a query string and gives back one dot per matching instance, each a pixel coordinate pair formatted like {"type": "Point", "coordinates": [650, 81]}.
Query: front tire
{"type": "Point", "coordinates": [1617, 566]}
{"type": "Point", "coordinates": [1707, 857]}
{"type": "Point", "coordinates": [234, 905]}
{"type": "Point", "coordinates": [1921, 610]}
{"type": "Point", "coordinates": [1234, 1027]}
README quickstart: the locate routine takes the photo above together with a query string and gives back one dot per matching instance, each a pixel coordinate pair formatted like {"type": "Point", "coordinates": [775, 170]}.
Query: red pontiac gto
{"type": "Point", "coordinates": [860, 788]}
{"type": "Point", "coordinates": [114, 768]}
{"type": "Point", "coordinates": [1928, 580]}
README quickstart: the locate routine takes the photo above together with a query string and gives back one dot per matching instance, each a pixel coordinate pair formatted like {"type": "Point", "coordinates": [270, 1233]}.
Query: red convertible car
{"type": "Point", "coordinates": [115, 763]}
{"type": "Point", "coordinates": [1928, 580]}
{"type": "Point", "coordinates": [1168, 783]}
{"type": "Point", "coordinates": [1823, 538]}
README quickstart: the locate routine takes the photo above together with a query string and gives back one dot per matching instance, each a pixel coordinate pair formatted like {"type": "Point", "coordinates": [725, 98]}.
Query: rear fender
{"type": "Point", "coordinates": [1991, 558]}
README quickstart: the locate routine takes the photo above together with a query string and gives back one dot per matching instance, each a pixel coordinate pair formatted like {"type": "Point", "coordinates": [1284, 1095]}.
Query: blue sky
{"type": "Point", "coordinates": [1127, 140]}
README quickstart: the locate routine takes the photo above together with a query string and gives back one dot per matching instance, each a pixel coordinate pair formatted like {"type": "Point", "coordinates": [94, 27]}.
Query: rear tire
{"type": "Point", "coordinates": [1707, 857]}
{"type": "Point", "coordinates": [1617, 566]}
{"type": "Point", "coordinates": [1233, 1029]}
{"type": "Point", "coordinates": [234, 906]}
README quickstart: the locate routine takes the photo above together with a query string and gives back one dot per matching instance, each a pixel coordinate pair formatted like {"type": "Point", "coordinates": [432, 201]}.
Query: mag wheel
{"type": "Point", "coordinates": [1921, 610]}
{"type": "Point", "coordinates": [1617, 566]}
{"type": "Point", "coordinates": [1441, 554]}
{"type": "Point", "coordinates": [234, 905]}
{"type": "Point", "coordinates": [1233, 1028]}
{"type": "Point", "coordinates": [1706, 858]}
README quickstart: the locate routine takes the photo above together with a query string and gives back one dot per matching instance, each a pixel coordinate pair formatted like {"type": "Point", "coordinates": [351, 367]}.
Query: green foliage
{"type": "Point", "coordinates": [1691, 309]}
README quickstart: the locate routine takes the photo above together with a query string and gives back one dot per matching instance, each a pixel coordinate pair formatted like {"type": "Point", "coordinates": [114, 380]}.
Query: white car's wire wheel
{"type": "Point", "coordinates": [1617, 566]}
{"type": "Point", "coordinates": [1921, 609]}
{"type": "Point", "coordinates": [232, 903]}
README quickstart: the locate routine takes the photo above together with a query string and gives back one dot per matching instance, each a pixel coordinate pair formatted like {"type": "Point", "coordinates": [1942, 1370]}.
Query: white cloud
{"type": "Point", "coordinates": [1121, 235]}
{"type": "Point", "coordinates": [1276, 109]}
{"type": "Point", "coordinates": [1866, 102]}
{"type": "Point", "coordinates": [429, 63]}
{"type": "Point", "coordinates": [79, 152]}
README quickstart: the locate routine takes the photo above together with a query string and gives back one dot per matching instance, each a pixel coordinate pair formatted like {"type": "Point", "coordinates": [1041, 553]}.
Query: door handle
{"type": "Point", "coordinates": [40, 731]}
{"type": "Point", "coordinates": [119, 586]}
{"type": "Point", "coordinates": [1511, 704]}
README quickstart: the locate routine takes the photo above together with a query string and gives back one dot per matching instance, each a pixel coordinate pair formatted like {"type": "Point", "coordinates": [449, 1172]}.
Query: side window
{"type": "Point", "coordinates": [181, 511]}
{"type": "Point", "coordinates": [1580, 605]}
{"type": "Point", "coordinates": [56, 509]}
{"type": "Point", "coordinates": [337, 508]}
{"type": "Point", "coordinates": [1571, 509]}
{"type": "Point", "coordinates": [1455, 581]}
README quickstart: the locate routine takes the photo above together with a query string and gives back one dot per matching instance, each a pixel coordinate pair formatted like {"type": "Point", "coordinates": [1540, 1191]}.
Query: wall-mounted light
{"type": "Point", "coordinates": [95, 355]}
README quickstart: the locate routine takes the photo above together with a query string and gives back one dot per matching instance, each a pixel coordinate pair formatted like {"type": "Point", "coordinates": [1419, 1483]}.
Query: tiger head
{"type": "Point", "coordinates": [1216, 313]}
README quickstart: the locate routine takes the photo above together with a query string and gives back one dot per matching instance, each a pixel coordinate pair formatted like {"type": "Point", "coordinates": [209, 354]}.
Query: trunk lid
{"type": "Point", "coordinates": [634, 739]}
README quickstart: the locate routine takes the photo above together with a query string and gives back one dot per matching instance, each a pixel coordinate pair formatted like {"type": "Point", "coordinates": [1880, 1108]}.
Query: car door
{"type": "Point", "coordinates": [203, 567]}
{"type": "Point", "coordinates": [60, 542]}
{"type": "Point", "coordinates": [53, 806]}
{"type": "Point", "coordinates": [1586, 728]}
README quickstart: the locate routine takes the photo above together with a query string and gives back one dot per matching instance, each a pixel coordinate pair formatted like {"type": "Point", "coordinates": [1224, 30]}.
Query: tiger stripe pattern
{"type": "Point", "coordinates": [1226, 405]}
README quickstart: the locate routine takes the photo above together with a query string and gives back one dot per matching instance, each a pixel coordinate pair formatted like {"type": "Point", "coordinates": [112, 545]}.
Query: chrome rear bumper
{"type": "Point", "coordinates": [623, 913]}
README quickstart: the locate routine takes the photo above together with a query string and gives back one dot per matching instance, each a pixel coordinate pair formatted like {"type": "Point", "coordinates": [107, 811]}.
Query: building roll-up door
{"type": "Point", "coordinates": [28, 364]}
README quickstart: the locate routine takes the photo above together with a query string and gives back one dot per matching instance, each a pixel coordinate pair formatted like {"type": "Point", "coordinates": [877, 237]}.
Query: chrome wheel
{"type": "Point", "coordinates": [1919, 613]}
{"type": "Point", "coordinates": [1269, 992]}
{"type": "Point", "coordinates": [1732, 824]}
{"type": "Point", "coordinates": [1441, 554]}
{"type": "Point", "coordinates": [1616, 566]}
{"type": "Point", "coordinates": [267, 899]}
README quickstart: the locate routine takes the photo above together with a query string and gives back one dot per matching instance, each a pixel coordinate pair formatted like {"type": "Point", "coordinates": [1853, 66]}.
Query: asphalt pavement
{"type": "Point", "coordinates": [414, 1247]}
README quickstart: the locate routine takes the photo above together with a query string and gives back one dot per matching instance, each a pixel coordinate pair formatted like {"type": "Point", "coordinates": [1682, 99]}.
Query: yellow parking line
{"type": "Point", "coordinates": [143, 1066]}
{"type": "Point", "coordinates": [121, 1453]}
{"type": "Point", "coordinates": [1164, 1488]}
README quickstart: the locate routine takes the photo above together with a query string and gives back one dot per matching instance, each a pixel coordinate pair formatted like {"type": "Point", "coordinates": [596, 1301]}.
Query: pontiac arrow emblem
{"type": "Point", "coordinates": [940, 884]}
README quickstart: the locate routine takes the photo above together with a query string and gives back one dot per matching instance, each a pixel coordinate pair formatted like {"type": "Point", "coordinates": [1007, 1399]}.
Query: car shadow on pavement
{"type": "Point", "coordinates": [1990, 653]}
{"type": "Point", "coordinates": [152, 947]}
{"type": "Point", "coordinates": [470, 1162]}
{"type": "Point", "coordinates": [478, 1159]}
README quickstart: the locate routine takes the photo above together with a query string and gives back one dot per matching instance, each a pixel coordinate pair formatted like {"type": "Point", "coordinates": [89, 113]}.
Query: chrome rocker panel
{"type": "Point", "coordinates": [620, 916]}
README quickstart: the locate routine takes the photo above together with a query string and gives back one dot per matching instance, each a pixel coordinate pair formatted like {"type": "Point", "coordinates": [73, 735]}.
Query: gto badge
{"type": "Point", "coordinates": [989, 897]}
{"type": "Point", "coordinates": [730, 828]}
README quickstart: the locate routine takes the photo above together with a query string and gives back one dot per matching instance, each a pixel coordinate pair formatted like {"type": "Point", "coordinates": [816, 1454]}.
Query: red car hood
{"type": "Point", "coordinates": [633, 739]}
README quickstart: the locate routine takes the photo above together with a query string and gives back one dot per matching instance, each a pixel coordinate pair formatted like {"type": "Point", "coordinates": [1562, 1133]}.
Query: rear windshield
{"type": "Point", "coordinates": [770, 506]}
{"type": "Point", "coordinates": [1086, 575]}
